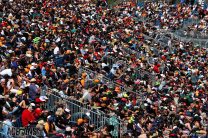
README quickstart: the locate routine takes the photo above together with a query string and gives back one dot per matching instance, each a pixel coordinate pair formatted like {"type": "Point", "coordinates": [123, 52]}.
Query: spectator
{"type": "Point", "coordinates": [126, 61]}
{"type": "Point", "coordinates": [33, 90]}
{"type": "Point", "coordinates": [49, 126]}
{"type": "Point", "coordinates": [7, 124]}
{"type": "Point", "coordinates": [27, 115]}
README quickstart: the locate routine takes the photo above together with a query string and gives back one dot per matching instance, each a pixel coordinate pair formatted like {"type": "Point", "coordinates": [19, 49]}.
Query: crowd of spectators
{"type": "Point", "coordinates": [173, 17]}
{"type": "Point", "coordinates": [45, 43]}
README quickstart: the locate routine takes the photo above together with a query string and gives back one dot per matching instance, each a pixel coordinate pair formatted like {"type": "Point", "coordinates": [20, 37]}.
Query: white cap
{"type": "Point", "coordinates": [48, 116]}
{"type": "Point", "coordinates": [32, 104]}
{"type": "Point", "coordinates": [67, 110]}
{"type": "Point", "coordinates": [88, 113]}
{"type": "Point", "coordinates": [162, 75]}
{"type": "Point", "coordinates": [68, 129]}
{"type": "Point", "coordinates": [28, 55]}
{"type": "Point", "coordinates": [104, 65]}
{"type": "Point", "coordinates": [145, 104]}
{"type": "Point", "coordinates": [43, 98]}
{"type": "Point", "coordinates": [34, 64]}
{"type": "Point", "coordinates": [174, 127]}
{"type": "Point", "coordinates": [32, 68]}
{"type": "Point", "coordinates": [10, 51]}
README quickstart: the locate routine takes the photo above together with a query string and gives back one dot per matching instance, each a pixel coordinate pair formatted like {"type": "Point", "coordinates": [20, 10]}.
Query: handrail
{"type": "Point", "coordinates": [194, 40]}
{"type": "Point", "coordinates": [102, 116]}
{"type": "Point", "coordinates": [123, 88]}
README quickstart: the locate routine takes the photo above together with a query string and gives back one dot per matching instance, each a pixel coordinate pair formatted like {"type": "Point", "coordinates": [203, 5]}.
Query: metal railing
{"type": "Point", "coordinates": [192, 34]}
{"type": "Point", "coordinates": [190, 21]}
{"type": "Point", "coordinates": [96, 117]}
{"type": "Point", "coordinates": [77, 110]}
{"type": "Point", "coordinates": [114, 60]}
{"type": "Point", "coordinates": [109, 82]}
{"type": "Point", "coordinates": [110, 60]}
{"type": "Point", "coordinates": [196, 41]}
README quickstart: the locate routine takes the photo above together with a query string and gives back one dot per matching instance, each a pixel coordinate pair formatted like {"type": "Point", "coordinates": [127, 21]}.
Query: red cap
{"type": "Point", "coordinates": [38, 111]}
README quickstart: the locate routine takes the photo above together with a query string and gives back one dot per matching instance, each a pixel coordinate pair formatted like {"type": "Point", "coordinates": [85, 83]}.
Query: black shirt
{"type": "Point", "coordinates": [1, 115]}
{"type": "Point", "coordinates": [1, 90]}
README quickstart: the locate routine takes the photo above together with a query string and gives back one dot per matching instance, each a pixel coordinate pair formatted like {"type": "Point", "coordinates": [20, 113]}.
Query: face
{"type": "Point", "coordinates": [14, 99]}
{"type": "Point", "coordinates": [3, 82]}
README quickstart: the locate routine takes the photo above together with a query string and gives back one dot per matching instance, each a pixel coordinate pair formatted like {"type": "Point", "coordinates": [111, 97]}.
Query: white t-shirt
{"type": "Point", "coordinates": [113, 71]}
{"type": "Point", "coordinates": [86, 95]}
{"type": "Point", "coordinates": [56, 50]}
{"type": "Point", "coordinates": [9, 84]}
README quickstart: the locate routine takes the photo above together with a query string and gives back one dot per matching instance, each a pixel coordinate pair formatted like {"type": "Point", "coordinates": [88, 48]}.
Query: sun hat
{"type": "Point", "coordinates": [33, 80]}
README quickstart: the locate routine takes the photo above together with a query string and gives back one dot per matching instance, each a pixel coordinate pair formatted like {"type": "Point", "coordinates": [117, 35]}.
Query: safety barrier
{"type": "Point", "coordinates": [102, 78]}
{"type": "Point", "coordinates": [197, 42]}
{"type": "Point", "coordinates": [192, 34]}
{"type": "Point", "coordinates": [77, 110]}
{"type": "Point", "coordinates": [110, 60]}
{"type": "Point", "coordinates": [190, 21]}
{"type": "Point", "coordinates": [120, 128]}
{"type": "Point", "coordinates": [109, 82]}
{"type": "Point", "coordinates": [49, 91]}
{"type": "Point", "coordinates": [96, 117]}
{"type": "Point", "coordinates": [139, 72]}
{"type": "Point", "coordinates": [198, 39]}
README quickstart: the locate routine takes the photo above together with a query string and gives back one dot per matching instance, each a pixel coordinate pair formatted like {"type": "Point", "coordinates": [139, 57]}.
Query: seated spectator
{"type": "Point", "coordinates": [7, 124]}
{"type": "Point", "coordinates": [33, 90]}
{"type": "Point", "coordinates": [27, 115]}
{"type": "Point", "coordinates": [49, 126]}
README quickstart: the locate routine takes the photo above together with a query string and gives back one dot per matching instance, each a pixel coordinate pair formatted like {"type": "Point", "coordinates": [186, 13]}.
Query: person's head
{"type": "Point", "coordinates": [33, 80]}
{"type": "Point", "coordinates": [2, 100]}
{"type": "Point", "coordinates": [80, 121]}
{"type": "Point", "coordinates": [31, 107]}
{"type": "Point", "coordinates": [37, 112]}
{"type": "Point", "coordinates": [59, 112]}
{"type": "Point", "coordinates": [66, 111]}
{"type": "Point", "coordinates": [3, 82]}
{"type": "Point", "coordinates": [13, 97]}
{"type": "Point", "coordinates": [68, 131]}
{"type": "Point", "coordinates": [50, 119]}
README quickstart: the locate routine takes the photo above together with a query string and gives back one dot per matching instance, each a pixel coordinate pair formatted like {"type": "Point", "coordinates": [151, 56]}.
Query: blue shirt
{"type": "Point", "coordinates": [33, 91]}
{"type": "Point", "coordinates": [6, 126]}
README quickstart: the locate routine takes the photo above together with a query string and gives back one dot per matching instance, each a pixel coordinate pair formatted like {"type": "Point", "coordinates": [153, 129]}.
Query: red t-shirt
{"type": "Point", "coordinates": [156, 68]}
{"type": "Point", "coordinates": [27, 117]}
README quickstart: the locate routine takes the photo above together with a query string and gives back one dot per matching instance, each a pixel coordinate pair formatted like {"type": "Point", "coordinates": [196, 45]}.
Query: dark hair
{"type": "Point", "coordinates": [68, 133]}
{"type": "Point", "coordinates": [8, 116]}
{"type": "Point", "coordinates": [110, 128]}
